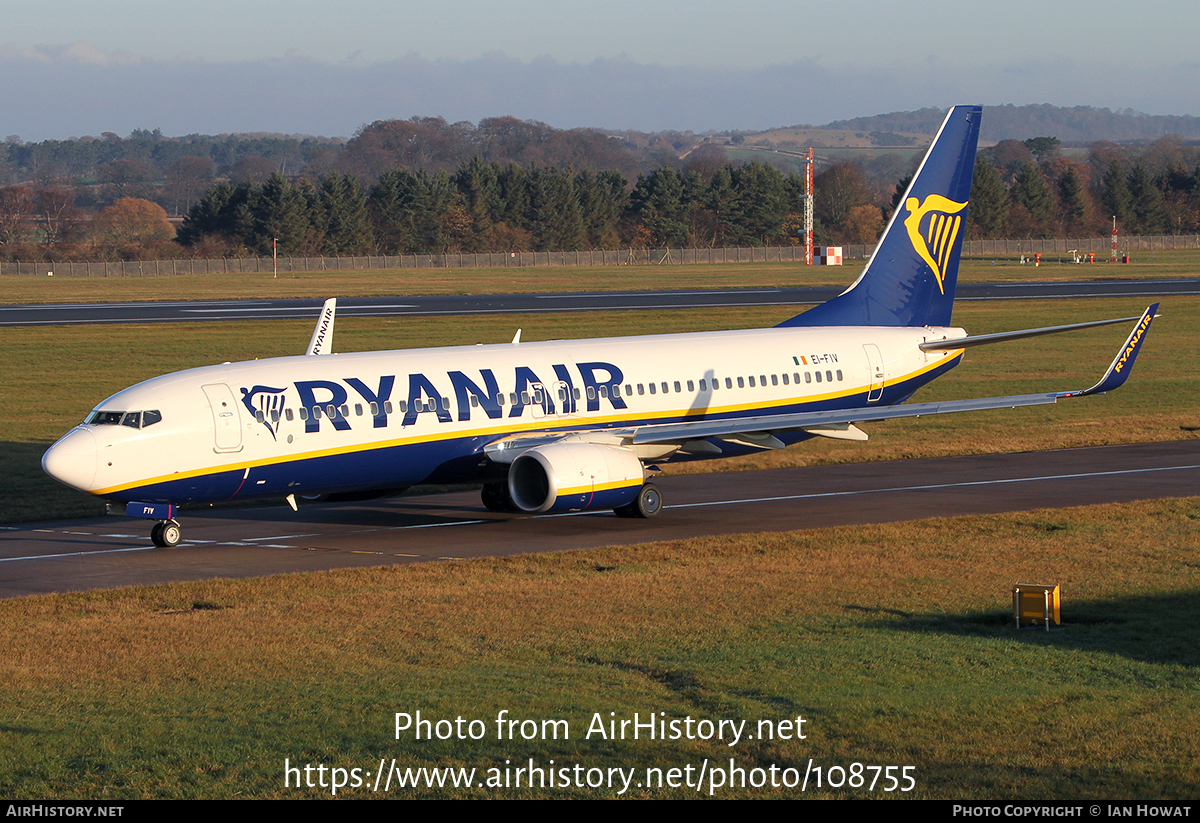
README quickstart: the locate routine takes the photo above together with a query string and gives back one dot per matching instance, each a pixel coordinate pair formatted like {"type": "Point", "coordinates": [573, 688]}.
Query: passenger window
{"type": "Point", "coordinates": [274, 417]}
{"type": "Point", "coordinates": [678, 388]}
{"type": "Point", "coordinates": [346, 410]}
{"type": "Point", "coordinates": [839, 375]}
{"type": "Point", "coordinates": [288, 414]}
{"type": "Point", "coordinates": [512, 398]}
{"type": "Point", "coordinates": [665, 388]}
{"type": "Point", "coordinates": [741, 382]}
{"type": "Point", "coordinates": [303, 412]}
{"type": "Point", "coordinates": [358, 409]}
{"type": "Point", "coordinates": [591, 392]}
{"type": "Point", "coordinates": [474, 402]}
{"type": "Point", "coordinates": [751, 381]}
{"type": "Point", "coordinates": [316, 412]}
{"type": "Point", "coordinates": [652, 388]}
{"type": "Point", "coordinates": [829, 377]}
{"type": "Point", "coordinates": [691, 386]}
{"type": "Point", "coordinates": [500, 399]}
{"type": "Point", "coordinates": [704, 384]}
{"type": "Point", "coordinates": [641, 389]}
{"type": "Point", "coordinates": [604, 392]}
{"type": "Point", "coordinates": [403, 406]}
{"type": "Point", "coordinates": [576, 393]}
{"type": "Point", "coordinates": [762, 380]}
{"type": "Point", "coordinates": [808, 377]}
{"type": "Point", "coordinates": [258, 416]}
{"type": "Point", "coordinates": [785, 379]}
{"type": "Point", "coordinates": [629, 390]}
{"type": "Point", "coordinates": [525, 398]}
{"type": "Point", "coordinates": [818, 377]}
{"type": "Point", "coordinates": [774, 380]}
{"type": "Point", "coordinates": [374, 409]}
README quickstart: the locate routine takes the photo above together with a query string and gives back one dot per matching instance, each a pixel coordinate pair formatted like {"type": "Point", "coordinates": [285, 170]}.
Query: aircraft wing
{"type": "Point", "coordinates": [839, 422]}
{"type": "Point", "coordinates": [760, 430]}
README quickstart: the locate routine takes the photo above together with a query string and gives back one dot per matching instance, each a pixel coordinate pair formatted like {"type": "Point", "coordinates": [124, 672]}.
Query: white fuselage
{"type": "Point", "coordinates": [381, 420]}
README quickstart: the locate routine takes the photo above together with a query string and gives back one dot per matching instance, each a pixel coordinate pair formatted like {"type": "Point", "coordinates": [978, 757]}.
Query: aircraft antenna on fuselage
{"type": "Point", "coordinates": [322, 336]}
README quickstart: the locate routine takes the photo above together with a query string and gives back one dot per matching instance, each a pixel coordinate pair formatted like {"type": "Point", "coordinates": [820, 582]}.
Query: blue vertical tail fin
{"type": "Point", "coordinates": [910, 279]}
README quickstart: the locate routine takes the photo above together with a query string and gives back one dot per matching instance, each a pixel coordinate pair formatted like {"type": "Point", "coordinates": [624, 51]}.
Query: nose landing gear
{"type": "Point", "coordinates": [166, 534]}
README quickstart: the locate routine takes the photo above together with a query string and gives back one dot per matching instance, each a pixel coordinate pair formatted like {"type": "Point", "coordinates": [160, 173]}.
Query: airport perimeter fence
{"type": "Point", "coordinates": [1100, 246]}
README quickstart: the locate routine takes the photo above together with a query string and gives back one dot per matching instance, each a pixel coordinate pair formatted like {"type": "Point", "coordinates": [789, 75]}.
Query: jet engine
{"type": "Point", "coordinates": [564, 477]}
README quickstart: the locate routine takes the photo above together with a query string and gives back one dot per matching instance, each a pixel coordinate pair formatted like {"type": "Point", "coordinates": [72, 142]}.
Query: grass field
{"type": "Point", "coordinates": [894, 643]}
{"type": "Point", "coordinates": [29, 289]}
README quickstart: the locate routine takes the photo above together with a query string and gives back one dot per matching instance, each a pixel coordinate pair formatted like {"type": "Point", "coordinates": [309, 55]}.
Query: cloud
{"type": "Point", "coordinates": [58, 91]}
{"type": "Point", "coordinates": [80, 54]}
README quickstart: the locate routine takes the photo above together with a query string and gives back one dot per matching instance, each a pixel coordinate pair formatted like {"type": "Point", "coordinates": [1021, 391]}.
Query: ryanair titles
{"type": "Point", "coordinates": [562, 390]}
{"type": "Point", "coordinates": [1131, 346]}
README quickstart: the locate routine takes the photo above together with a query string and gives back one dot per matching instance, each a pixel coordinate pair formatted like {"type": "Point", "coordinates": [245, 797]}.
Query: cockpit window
{"type": "Point", "coordinates": [105, 418]}
{"type": "Point", "coordinates": [134, 420]}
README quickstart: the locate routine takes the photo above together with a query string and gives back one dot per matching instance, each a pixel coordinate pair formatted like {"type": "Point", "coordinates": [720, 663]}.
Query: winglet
{"type": "Point", "coordinates": [1122, 364]}
{"type": "Point", "coordinates": [322, 337]}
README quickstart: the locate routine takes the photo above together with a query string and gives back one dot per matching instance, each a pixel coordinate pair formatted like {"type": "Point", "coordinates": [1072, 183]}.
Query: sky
{"type": "Point", "coordinates": [75, 68]}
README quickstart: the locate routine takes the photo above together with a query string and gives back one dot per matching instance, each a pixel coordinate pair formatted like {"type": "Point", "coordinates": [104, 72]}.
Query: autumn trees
{"type": "Point", "coordinates": [425, 186]}
{"type": "Point", "coordinates": [1032, 189]}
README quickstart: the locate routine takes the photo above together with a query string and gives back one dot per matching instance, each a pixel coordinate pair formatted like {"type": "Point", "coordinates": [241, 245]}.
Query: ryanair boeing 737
{"type": "Point", "coordinates": [562, 425]}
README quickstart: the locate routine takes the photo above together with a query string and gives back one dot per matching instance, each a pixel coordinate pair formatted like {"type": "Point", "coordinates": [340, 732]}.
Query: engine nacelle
{"type": "Point", "coordinates": [574, 477]}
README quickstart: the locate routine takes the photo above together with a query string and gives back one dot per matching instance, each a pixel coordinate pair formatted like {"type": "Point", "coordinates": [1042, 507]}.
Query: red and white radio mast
{"type": "Point", "coordinates": [808, 207]}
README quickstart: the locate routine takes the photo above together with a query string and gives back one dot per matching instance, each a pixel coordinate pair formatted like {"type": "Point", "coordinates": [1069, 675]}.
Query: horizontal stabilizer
{"type": "Point", "coordinates": [1005, 336]}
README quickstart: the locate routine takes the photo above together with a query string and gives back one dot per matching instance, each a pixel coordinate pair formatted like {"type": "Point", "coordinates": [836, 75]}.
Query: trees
{"type": "Point", "coordinates": [839, 188]}
{"type": "Point", "coordinates": [16, 207]}
{"type": "Point", "coordinates": [1147, 215]}
{"type": "Point", "coordinates": [1075, 207]}
{"type": "Point", "coordinates": [1043, 148]}
{"type": "Point", "coordinates": [277, 212]}
{"type": "Point", "coordinates": [187, 179]}
{"type": "Point", "coordinates": [340, 217]}
{"type": "Point", "coordinates": [988, 212]}
{"type": "Point", "coordinates": [1031, 192]}
{"type": "Point", "coordinates": [132, 221]}
{"type": "Point", "coordinates": [657, 203]}
{"type": "Point", "coordinates": [1117, 200]}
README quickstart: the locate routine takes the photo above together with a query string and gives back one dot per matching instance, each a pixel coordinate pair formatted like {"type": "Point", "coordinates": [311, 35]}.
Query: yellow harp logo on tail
{"type": "Point", "coordinates": [934, 240]}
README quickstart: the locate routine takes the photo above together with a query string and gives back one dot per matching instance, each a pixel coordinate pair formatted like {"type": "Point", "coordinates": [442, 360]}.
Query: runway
{"type": "Point", "coordinates": [449, 305]}
{"type": "Point", "coordinates": [250, 542]}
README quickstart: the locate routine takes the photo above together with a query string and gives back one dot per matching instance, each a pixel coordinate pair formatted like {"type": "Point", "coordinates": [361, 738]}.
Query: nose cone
{"type": "Point", "coordinates": [72, 460]}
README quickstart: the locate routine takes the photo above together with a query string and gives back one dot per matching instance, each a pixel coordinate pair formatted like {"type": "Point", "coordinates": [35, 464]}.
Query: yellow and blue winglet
{"type": "Point", "coordinates": [1122, 364]}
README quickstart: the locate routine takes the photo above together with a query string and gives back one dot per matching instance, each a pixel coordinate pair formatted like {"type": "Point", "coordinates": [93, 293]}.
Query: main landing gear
{"type": "Point", "coordinates": [166, 534]}
{"type": "Point", "coordinates": [648, 503]}
{"type": "Point", "coordinates": [496, 497]}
